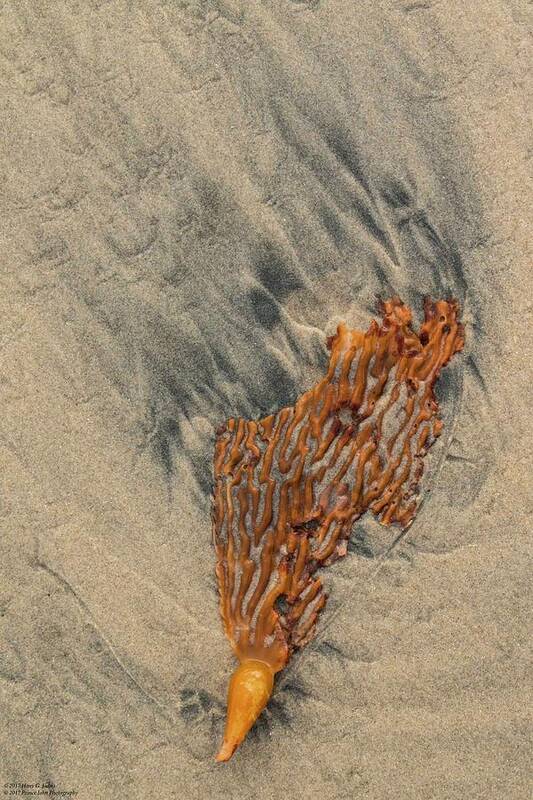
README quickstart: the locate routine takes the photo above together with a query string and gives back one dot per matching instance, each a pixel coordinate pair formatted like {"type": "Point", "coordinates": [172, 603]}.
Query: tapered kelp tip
{"type": "Point", "coordinates": [226, 751]}
{"type": "Point", "coordinates": [249, 690]}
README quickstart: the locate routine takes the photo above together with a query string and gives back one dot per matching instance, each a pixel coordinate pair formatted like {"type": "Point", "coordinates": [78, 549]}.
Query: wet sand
{"type": "Point", "coordinates": [193, 196]}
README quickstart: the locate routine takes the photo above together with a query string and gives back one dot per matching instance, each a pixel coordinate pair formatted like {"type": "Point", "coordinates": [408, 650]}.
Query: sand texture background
{"type": "Point", "coordinates": [193, 195]}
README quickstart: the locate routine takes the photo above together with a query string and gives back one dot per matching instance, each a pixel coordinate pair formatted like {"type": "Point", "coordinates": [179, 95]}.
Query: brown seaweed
{"type": "Point", "coordinates": [289, 487]}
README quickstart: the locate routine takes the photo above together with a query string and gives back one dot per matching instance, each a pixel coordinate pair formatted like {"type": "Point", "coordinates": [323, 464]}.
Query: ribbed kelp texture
{"type": "Point", "coordinates": [289, 487]}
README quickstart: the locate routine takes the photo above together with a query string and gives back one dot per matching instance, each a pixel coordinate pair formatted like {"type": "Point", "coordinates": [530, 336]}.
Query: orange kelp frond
{"type": "Point", "coordinates": [289, 487]}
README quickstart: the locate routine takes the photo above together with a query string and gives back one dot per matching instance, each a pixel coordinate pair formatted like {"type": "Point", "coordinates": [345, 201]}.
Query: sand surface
{"type": "Point", "coordinates": [193, 195]}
